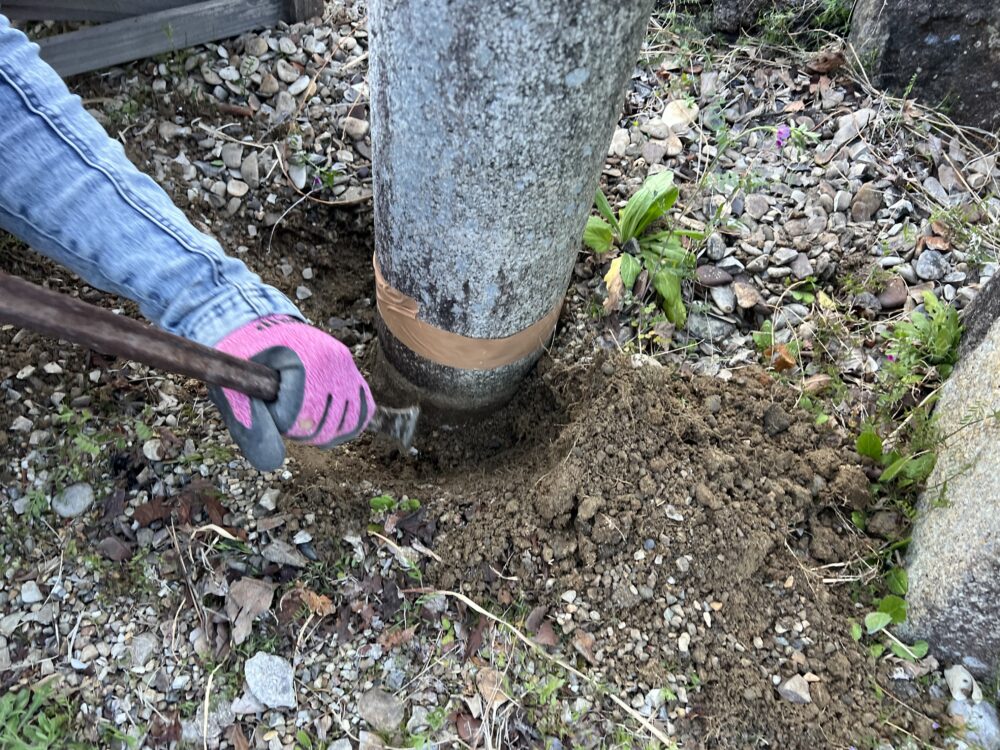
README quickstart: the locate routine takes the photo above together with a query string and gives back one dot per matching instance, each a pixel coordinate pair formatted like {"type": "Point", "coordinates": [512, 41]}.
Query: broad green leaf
{"type": "Point", "coordinates": [657, 194]}
{"type": "Point", "coordinates": [919, 467]}
{"type": "Point", "coordinates": [895, 607]}
{"type": "Point", "coordinates": [876, 621]}
{"type": "Point", "coordinates": [897, 581]}
{"type": "Point", "coordinates": [667, 247]}
{"type": "Point", "coordinates": [876, 650]}
{"type": "Point", "coordinates": [901, 651]}
{"type": "Point", "coordinates": [604, 209]}
{"type": "Point", "coordinates": [668, 285]}
{"type": "Point", "coordinates": [858, 519]}
{"type": "Point", "coordinates": [856, 631]}
{"type": "Point", "coordinates": [630, 270]}
{"type": "Point", "coordinates": [869, 444]}
{"type": "Point", "coordinates": [893, 469]}
{"type": "Point", "coordinates": [597, 235]}
{"type": "Point", "coordinates": [910, 653]}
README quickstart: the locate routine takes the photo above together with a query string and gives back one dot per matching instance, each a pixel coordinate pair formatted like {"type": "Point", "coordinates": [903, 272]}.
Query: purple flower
{"type": "Point", "coordinates": [890, 357]}
{"type": "Point", "coordinates": [781, 135]}
{"type": "Point", "coordinates": [317, 183]}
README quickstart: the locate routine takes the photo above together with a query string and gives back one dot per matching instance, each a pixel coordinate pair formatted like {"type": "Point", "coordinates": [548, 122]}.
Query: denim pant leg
{"type": "Point", "coordinates": [69, 191]}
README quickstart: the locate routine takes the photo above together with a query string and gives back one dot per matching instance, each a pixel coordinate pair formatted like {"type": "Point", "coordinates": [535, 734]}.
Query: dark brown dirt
{"type": "Point", "coordinates": [569, 489]}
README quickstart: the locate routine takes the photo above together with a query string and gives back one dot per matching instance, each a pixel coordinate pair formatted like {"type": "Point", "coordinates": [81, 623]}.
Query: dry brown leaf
{"type": "Point", "coordinates": [114, 549]}
{"type": "Point", "coordinates": [237, 738]}
{"type": "Point", "coordinates": [165, 731]}
{"type": "Point", "coordinates": [489, 682]}
{"type": "Point", "coordinates": [781, 359]}
{"type": "Point", "coordinates": [816, 383]}
{"type": "Point", "coordinates": [584, 642]}
{"type": "Point", "coordinates": [152, 511]}
{"type": "Point", "coordinates": [535, 619]}
{"type": "Point", "coordinates": [826, 61]}
{"type": "Point", "coordinates": [937, 243]}
{"type": "Point", "coordinates": [319, 605]}
{"type": "Point", "coordinates": [546, 635]}
{"type": "Point", "coordinates": [616, 290]}
{"type": "Point", "coordinates": [793, 107]}
{"type": "Point", "coordinates": [939, 227]}
{"type": "Point", "coordinates": [475, 638]}
{"type": "Point", "coordinates": [391, 639]}
{"type": "Point", "coordinates": [469, 729]}
{"type": "Point", "coordinates": [114, 505]}
{"type": "Point", "coordinates": [248, 598]}
{"type": "Point", "coordinates": [216, 513]}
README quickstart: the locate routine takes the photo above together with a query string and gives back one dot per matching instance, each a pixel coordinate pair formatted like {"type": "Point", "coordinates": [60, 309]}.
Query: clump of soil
{"type": "Point", "coordinates": [687, 515]}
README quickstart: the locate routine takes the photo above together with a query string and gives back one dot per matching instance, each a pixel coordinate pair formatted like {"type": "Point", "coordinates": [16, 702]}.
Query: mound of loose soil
{"type": "Point", "coordinates": [685, 514]}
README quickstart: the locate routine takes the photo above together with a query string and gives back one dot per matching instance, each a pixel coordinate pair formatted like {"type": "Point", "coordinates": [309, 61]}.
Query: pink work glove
{"type": "Point", "coordinates": [322, 400]}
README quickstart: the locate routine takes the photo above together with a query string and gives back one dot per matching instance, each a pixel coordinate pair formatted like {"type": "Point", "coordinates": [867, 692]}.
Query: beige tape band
{"type": "Point", "coordinates": [400, 314]}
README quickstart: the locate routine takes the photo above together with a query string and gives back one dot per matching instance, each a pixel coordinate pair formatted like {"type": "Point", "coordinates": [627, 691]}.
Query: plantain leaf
{"type": "Point", "coordinates": [630, 270]}
{"type": "Point", "coordinates": [892, 471]}
{"type": "Point", "coordinates": [604, 208]}
{"type": "Point", "coordinates": [668, 285]}
{"type": "Point", "coordinates": [597, 235]}
{"type": "Point", "coordinates": [657, 194]}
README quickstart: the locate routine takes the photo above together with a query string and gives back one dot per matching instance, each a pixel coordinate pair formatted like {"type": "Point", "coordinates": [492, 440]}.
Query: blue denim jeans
{"type": "Point", "coordinates": [69, 191]}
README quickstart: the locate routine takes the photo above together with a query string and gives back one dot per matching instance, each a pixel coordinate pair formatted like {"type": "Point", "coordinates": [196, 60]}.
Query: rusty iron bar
{"type": "Point", "coordinates": [44, 311]}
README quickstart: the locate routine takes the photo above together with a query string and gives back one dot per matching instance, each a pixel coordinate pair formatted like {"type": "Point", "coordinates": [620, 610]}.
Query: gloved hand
{"type": "Point", "coordinates": [322, 400]}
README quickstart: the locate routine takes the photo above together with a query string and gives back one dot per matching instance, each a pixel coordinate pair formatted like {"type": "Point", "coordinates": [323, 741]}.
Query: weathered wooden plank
{"type": "Point", "coordinates": [84, 10]}
{"type": "Point", "coordinates": [303, 10]}
{"type": "Point", "coordinates": [155, 33]}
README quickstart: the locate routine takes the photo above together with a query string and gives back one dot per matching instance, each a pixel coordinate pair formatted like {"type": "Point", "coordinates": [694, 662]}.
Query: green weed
{"type": "Point", "coordinates": [661, 253]}
{"type": "Point", "coordinates": [33, 719]}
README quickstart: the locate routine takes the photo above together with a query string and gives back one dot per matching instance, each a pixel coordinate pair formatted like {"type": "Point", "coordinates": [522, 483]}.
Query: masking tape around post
{"type": "Point", "coordinates": [400, 314]}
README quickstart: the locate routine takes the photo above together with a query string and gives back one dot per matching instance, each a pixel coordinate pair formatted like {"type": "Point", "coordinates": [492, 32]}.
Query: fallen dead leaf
{"type": "Point", "coordinates": [781, 359]}
{"type": "Point", "coordinates": [937, 243]}
{"type": "Point", "coordinates": [469, 729]}
{"type": "Point", "coordinates": [584, 642]}
{"type": "Point", "coordinates": [152, 511]}
{"type": "Point", "coordinates": [248, 598]}
{"type": "Point", "coordinates": [165, 731]}
{"type": "Point", "coordinates": [391, 639]}
{"type": "Point", "coordinates": [216, 513]}
{"type": "Point", "coordinates": [816, 383]}
{"type": "Point", "coordinates": [475, 638]}
{"type": "Point", "coordinates": [114, 506]}
{"type": "Point", "coordinates": [489, 682]}
{"type": "Point", "coordinates": [237, 738]}
{"type": "Point", "coordinates": [616, 288]}
{"type": "Point", "coordinates": [114, 549]}
{"type": "Point", "coordinates": [546, 635]}
{"type": "Point", "coordinates": [826, 61]}
{"type": "Point", "coordinates": [535, 619]}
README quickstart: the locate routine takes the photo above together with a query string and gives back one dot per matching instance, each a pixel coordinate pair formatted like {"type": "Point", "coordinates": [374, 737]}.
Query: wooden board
{"type": "Point", "coordinates": [84, 10]}
{"type": "Point", "coordinates": [169, 30]}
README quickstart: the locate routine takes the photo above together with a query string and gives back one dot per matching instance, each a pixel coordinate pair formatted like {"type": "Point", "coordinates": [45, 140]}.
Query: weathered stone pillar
{"type": "Point", "coordinates": [954, 559]}
{"type": "Point", "coordinates": [490, 124]}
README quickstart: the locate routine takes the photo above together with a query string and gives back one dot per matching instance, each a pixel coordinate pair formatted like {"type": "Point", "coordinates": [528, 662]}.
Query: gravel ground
{"type": "Point", "coordinates": [181, 597]}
